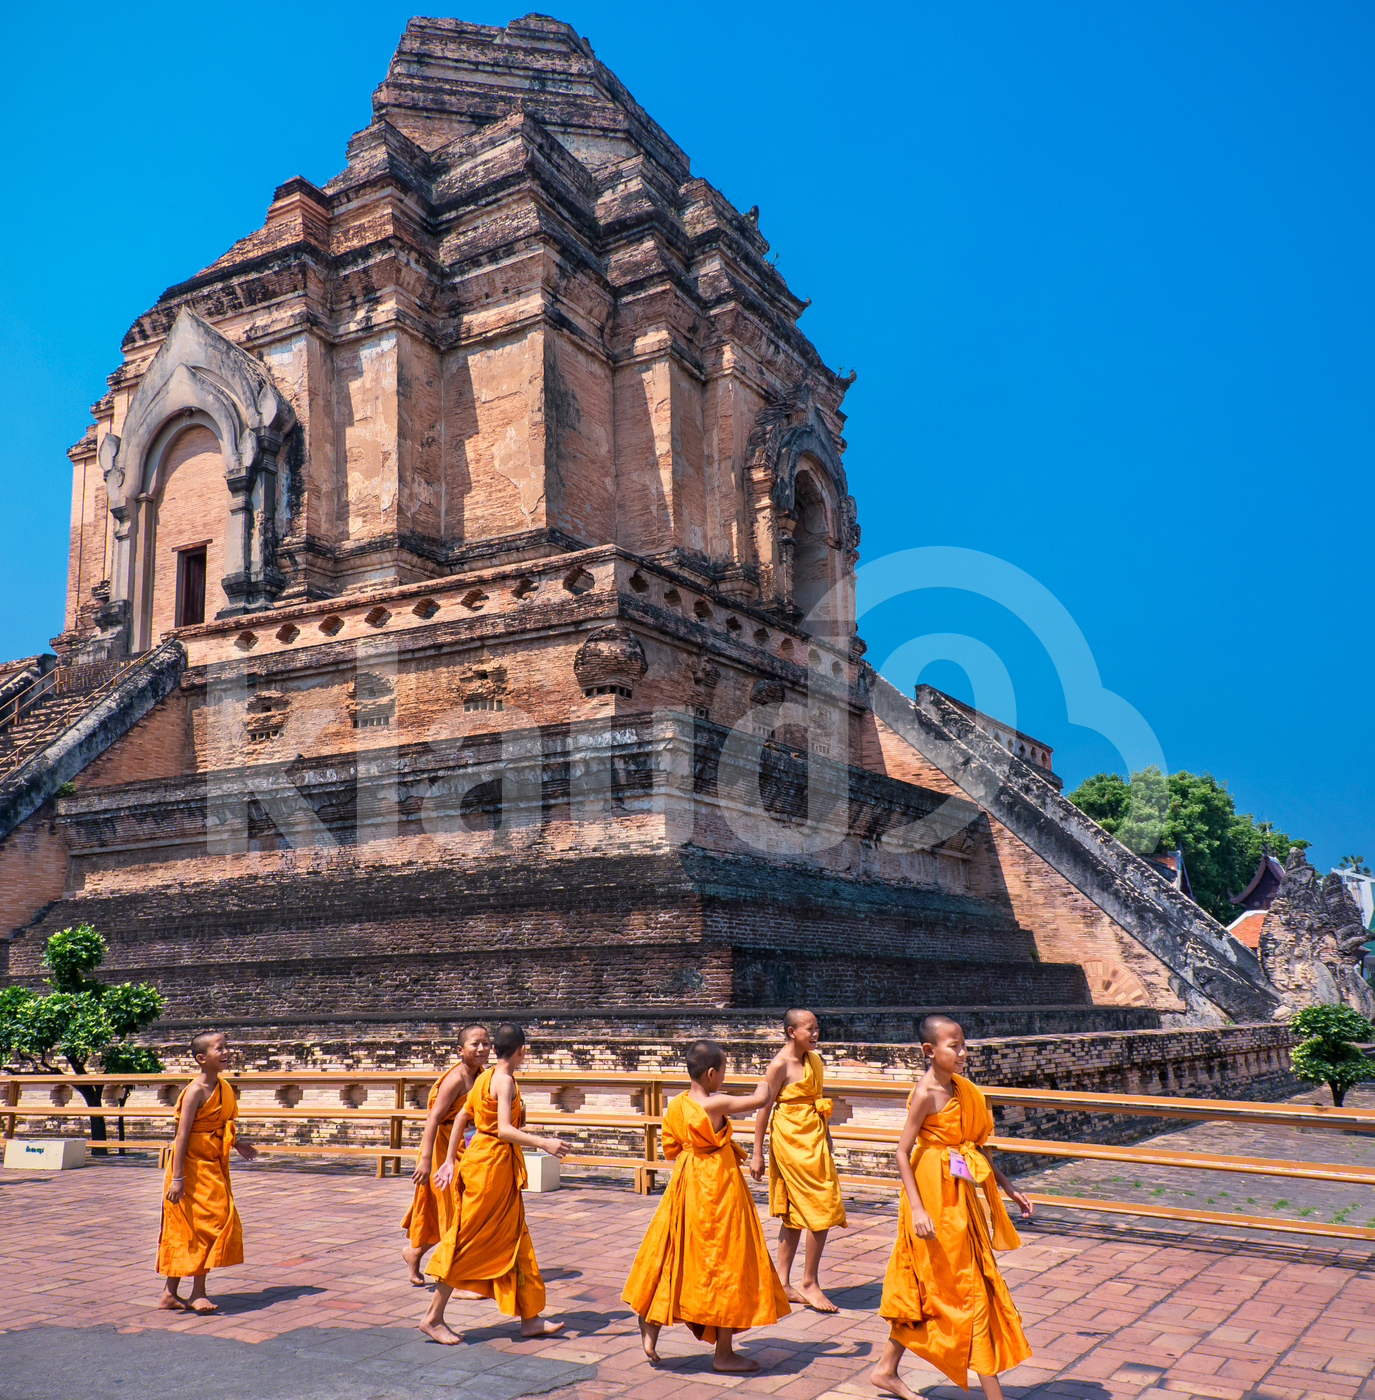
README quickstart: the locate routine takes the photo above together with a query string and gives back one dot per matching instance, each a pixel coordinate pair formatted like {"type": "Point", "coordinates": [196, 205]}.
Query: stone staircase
{"type": "Point", "coordinates": [69, 717]}
{"type": "Point", "coordinates": [28, 735]}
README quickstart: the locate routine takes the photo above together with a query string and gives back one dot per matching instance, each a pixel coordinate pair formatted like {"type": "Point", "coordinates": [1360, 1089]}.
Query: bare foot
{"type": "Point", "coordinates": [649, 1339]}
{"type": "Point", "coordinates": [539, 1327]}
{"type": "Point", "coordinates": [171, 1302]}
{"type": "Point", "coordinates": [203, 1306]}
{"type": "Point", "coordinates": [890, 1383]}
{"type": "Point", "coordinates": [440, 1332]}
{"type": "Point", "coordinates": [811, 1294]}
{"type": "Point", "coordinates": [412, 1257]}
{"type": "Point", "coordinates": [792, 1294]}
{"type": "Point", "coordinates": [733, 1362]}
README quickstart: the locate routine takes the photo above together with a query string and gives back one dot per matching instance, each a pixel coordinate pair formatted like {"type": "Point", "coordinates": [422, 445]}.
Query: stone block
{"type": "Point", "coordinates": [543, 1171]}
{"type": "Point", "coordinates": [46, 1154]}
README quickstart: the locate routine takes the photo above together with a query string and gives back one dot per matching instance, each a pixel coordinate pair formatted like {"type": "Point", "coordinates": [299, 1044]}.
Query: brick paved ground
{"type": "Point", "coordinates": [1113, 1309]}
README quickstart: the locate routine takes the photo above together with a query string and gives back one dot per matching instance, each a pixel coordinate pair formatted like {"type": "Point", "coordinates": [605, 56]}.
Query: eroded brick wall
{"type": "Point", "coordinates": [34, 862]}
{"type": "Point", "coordinates": [157, 746]}
{"type": "Point", "coordinates": [1069, 927]}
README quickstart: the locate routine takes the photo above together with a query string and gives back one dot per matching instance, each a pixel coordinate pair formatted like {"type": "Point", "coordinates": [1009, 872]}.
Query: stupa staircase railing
{"type": "Point", "coordinates": [652, 1090]}
{"type": "Point", "coordinates": [32, 719]}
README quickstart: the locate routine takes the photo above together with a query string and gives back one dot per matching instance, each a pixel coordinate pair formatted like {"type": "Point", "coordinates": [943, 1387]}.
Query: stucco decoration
{"type": "Point", "coordinates": [1310, 943]}
{"type": "Point", "coordinates": [197, 376]}
{"type": "Point", "coordinates": [610, 656]}
{"type": "Point", "coordinates": [789, 429]}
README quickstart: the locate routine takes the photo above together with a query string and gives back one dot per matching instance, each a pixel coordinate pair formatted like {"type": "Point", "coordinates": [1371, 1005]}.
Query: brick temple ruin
{"type": "Point", "coordinates": [460, 617]}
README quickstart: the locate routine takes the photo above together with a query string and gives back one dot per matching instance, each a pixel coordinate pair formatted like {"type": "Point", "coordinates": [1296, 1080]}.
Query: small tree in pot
{"type": "Point", "coordinates": [80, 1019]}
{"type": "Point", "coordinates": [1329, 1053]}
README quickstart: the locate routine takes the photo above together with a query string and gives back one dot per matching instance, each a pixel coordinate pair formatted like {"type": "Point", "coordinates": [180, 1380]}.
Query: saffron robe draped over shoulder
{"type": "Point", "coordinates": [202, 1231]}
{"type": "Point", "coordinates": [804, 1190]}
{"type": "Point", "coordinates": [431, 1209]}
{"type": "Point", "coordinates": [487, 1248]}
{"type": "Point", "coordinates": [703, 1260]}
{"type": "Point", "coordinates": [943, 1298]}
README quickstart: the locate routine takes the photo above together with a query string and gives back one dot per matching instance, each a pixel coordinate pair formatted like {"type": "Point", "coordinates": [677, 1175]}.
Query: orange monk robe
{"type": "Point", "coordinates": [703, 1260]}
{"type": "Point", "coordinates": [431, 1209]}
{"type": "Point", "coordinates": [804, 1190]}
{"type": "Point", "coordinates": [944, 1298]}
{"type": "Point", "coordinates": [487, 1248]}
{"type": "Point", "coordinates": [202, 1230]}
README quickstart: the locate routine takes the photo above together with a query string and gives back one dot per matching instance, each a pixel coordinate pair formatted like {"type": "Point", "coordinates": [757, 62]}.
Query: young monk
{"type": "Point", "coordinates": [703, 1260]}
{"type": "Point", "coordinates": [433, 1203]}
{"type": "Point", "coordinates": [943, 1296]}
{"type": "Point", "coordinates": [804, 1190]}
{"type": "Point", "coordinates": [487, 1248]}
{"type": "Point", "coordinates": [200, 1223]}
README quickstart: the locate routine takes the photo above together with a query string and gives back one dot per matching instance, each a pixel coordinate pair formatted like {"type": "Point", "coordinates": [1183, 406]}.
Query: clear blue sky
{"type": "Point", "coordinates": [1105, 271]}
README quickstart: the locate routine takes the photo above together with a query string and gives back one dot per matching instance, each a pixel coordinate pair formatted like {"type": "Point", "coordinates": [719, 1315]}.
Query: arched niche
{"type": "Point", "coordinates": [815, 563]}
{"type": "Point", "coordinates": [182, 550]}
{"type": "Point", "coordinates": [811, 560]}
{"type": "Point", "coordinates": [199, 379]}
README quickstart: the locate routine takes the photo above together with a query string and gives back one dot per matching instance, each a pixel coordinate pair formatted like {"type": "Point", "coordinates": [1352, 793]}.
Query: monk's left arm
{"type": "Point", "coordinates": [733, 1105]}
{"type": "Point", "coordinates": [1019, 1198]}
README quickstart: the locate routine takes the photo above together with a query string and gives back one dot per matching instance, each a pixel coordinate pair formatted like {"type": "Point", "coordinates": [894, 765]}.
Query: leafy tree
{"type": "Point", "coordinates": [1105, 797]}
{"type": "Point", "coordinates": [1194, 812]}
{"type": "Point", "coordinates": [1355, 864]}
{"type": "Point", "coordinates": [81, 1018]}
{"type": "Point", "coordinates": [1328, 1054]}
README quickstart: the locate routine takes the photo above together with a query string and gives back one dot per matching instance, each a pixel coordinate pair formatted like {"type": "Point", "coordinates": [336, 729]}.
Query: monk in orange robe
{"type": "Point", "coordinates": [433, 1201]}
{"type": "Point", "coordinates": [487, 1248]}
{"type": "Point", "coordinates": [200, 1223]}
{"type": "Point", "coordinates": [943, 1297]}
{"type": "Point", "coordinates": [804, 1188]}
{"type": "Point", "coordinates": [703, 1260]}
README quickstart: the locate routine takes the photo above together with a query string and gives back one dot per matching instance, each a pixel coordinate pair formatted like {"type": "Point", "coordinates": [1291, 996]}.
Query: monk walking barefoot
{"type": "Point", "coordinates": [439, 1331]}
{"type": "Point", "coordinates": [200, 1223]}
{"type": "Point", "coordinates": [943, 1297]}
{"type": "Point", "coordinates": [703, 1260]}
{"type": "Point", "coordinates": [804, 1189]}
{"type": "Point", "coordinates": [487, 1248]}
{"type": "Point", "coordinates": [434, 1199]}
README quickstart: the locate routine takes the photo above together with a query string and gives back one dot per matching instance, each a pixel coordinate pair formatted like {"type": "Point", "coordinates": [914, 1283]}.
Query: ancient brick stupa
{"type": "Point", "coordinates": [460, 617]}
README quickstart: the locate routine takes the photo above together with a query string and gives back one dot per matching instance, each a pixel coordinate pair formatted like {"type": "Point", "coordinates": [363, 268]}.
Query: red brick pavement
{"type": "Point", "coordinates": [1109, 1315]}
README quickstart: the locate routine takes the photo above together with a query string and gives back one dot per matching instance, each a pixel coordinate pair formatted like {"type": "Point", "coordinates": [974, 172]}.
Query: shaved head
{"type": "Point", "coordinates": [468, 1032]}
{"type": "Point", "coordinates": [201, 1043]}
{"type": "Point", "coordinates": [794, 1016]}
{"type": "Point", "coordinates": [703, 1055]}
{"type": "Point", "coordinates": [935, 1025]}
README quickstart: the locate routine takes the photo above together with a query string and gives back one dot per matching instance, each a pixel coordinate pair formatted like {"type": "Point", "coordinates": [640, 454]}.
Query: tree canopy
{"type": "Point", "coordinates": [81, 1019]}
{"type": "Point", "coordinates": [1221, 846]}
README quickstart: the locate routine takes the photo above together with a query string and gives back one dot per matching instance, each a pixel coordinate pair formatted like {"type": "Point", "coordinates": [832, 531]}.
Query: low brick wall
{"type": "Point", "coordinates": [1237, 1062]}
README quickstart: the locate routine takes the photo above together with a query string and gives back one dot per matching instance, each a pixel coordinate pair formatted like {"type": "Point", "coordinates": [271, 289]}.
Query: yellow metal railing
{"type": "Point", "coordinates": [644, 1125]}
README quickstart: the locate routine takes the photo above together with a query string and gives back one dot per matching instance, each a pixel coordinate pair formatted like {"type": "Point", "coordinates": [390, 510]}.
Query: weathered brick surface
{"type": "Point", "coordinates": [157, 746]}
{"type": "Point", "coordinates": [1069, 926]}
{"type": "Point", "coordinates": [33, 871]}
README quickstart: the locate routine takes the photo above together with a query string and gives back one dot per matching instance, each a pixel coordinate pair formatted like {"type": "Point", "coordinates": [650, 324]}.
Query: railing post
{"type": "Point", "coordinates": [396, 1124]}
{"type": "Point", "coordinates": [645, 1177]}
{"type": "Point", "coordinates": [12, 1101]}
